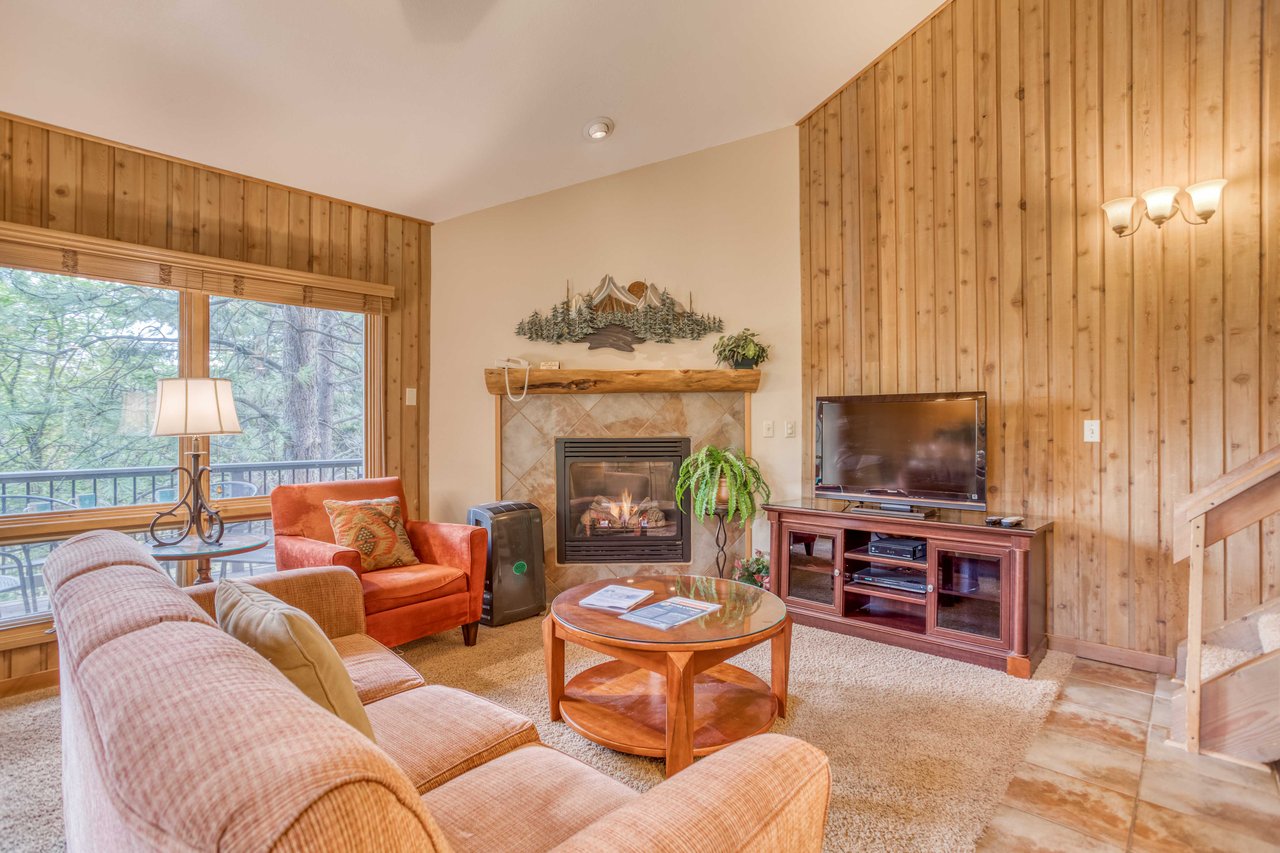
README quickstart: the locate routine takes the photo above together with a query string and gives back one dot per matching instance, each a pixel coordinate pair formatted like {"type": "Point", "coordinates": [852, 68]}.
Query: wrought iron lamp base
{"type": "Point", "coordinates": [201, 516]}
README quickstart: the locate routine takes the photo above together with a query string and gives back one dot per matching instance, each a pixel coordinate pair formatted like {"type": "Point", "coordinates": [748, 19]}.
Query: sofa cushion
{"type": "Point", "coordinates": [374, 529]}
{"type": "Point", "coordinates": [203, 745]}
{"type": "Point", "coordinates": [387, 589]}
{"type": "Point", "coordinates": [438, 733]}
{"type": "Point", "coordinates": [544, 797]}
{"type": "Point", "coordinates": [293, 642]}
{"type": "Point", "coordinates": [95, 607]}
{"type": "Point", "coordinates": [375, 670]}
{"type": "Point", "coordinates": [91, 551]}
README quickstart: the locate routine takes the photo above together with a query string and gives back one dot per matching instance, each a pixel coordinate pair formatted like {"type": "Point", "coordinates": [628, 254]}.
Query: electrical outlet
{"type": "Point", "coordinates": [766, 429]}
{"type": "Point", "coordinates": [1093, 431]}
{"type": "Point", "coordinates": [411, 396]}
{"type": "Point", "coordinates": [789, 429]}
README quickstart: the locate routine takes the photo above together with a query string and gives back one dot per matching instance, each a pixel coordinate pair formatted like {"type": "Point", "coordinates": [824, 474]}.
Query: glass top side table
{"type": "Point", "coordinates": [194, 550]}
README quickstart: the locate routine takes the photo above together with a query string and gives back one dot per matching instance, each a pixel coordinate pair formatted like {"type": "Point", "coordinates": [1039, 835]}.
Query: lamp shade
{"type": "Point", "coordinates": [1119, 213]}
{"type": "Point", "coordinates": [195, 407]}
{"type": "Point", "coordinates": [1205, 197]}
{"type": "Point", "coordinates": [1161, 203]}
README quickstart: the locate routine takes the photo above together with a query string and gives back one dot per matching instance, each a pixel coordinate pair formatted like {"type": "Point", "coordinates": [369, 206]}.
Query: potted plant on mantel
{"type": "Point", "coordinates": [742, 351]}
{"type": "Point", "coordinates": [724, 479]}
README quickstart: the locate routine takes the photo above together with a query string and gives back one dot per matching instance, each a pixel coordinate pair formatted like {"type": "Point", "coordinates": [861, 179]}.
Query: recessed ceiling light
{"type": "Point", "coordinates": [598, 128]}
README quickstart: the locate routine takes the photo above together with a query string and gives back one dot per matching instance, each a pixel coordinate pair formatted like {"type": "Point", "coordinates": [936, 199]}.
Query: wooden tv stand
{"type": "Point", "coordinates": [984, 603]}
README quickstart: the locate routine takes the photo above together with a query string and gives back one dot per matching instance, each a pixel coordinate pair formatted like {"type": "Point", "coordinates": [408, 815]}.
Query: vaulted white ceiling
{"type": "Point", "coordinates": [433, 108]}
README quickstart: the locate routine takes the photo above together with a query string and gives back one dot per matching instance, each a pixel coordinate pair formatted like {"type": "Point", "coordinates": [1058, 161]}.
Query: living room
{"type": "Point", "coordinates": [721, 425]}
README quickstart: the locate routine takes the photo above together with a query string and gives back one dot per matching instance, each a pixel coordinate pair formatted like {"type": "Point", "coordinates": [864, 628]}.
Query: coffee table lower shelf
{"type": "Point", "coordinates": [624, 707]}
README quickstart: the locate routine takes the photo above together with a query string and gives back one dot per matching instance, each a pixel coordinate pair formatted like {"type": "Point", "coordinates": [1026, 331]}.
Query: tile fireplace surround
{"type": "Point", "coordinates": [527, 438]}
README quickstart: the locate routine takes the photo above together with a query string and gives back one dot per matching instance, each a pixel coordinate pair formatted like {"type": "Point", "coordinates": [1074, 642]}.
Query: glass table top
{"type": "Point", "coordinates": [744, 610]}
{"type": "Point", "coordinates": [193, 548]}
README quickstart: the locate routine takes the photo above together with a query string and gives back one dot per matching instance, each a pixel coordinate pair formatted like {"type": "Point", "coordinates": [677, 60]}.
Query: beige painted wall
{"type": "Point", "coordinates": [719, 222]}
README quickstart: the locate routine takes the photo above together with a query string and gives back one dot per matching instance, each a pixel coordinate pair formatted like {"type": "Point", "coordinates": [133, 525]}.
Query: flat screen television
{"type": "Point", "coordinates": [903, 450]}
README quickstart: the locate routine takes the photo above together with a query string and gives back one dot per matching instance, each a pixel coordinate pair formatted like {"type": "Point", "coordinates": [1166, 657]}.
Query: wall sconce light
{"type": "Point", "coordinates": [1125, 215]}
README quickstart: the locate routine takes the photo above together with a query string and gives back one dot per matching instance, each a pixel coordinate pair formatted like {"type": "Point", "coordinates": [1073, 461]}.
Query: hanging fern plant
{"type": "Point", "coordinates": [701, 475]}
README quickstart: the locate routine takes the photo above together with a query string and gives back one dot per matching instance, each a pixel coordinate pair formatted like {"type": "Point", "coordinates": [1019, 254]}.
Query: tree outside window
{"type": "Point", "coordinates": [298, 378]}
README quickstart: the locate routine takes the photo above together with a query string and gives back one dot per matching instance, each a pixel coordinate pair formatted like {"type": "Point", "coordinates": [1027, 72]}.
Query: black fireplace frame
{"type": "Point", "coordinates": [670, 549]}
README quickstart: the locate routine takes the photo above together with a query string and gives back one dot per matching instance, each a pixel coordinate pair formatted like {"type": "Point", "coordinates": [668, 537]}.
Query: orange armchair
{"type": "Point", "coordinates": [404, 603]}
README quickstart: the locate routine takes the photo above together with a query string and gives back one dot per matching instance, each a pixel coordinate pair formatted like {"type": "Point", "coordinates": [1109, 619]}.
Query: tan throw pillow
{"type": "Point", "coordinates": [374, 529]}
{"type": "Point", "coordinates": [294, 643]}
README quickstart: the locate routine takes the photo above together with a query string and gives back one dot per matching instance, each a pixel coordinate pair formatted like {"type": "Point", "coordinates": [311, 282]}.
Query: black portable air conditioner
{"type": "Point", "coordinates": [514, 584]}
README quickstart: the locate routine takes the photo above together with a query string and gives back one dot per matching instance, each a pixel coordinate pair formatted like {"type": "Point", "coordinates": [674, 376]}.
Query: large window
{"type": "Point", "coordinates": [79, 360]}
{"type": "Point", "coordinates": [298, 378]}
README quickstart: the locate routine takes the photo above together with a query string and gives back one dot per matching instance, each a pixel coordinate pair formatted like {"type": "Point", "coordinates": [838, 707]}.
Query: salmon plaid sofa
{"type": "Point", "coordinates": [178, 737]}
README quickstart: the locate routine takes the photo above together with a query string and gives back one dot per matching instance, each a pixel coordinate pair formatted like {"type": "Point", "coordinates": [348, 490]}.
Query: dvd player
{"type": "Point", "coordinates": [898, 547]}
{"type": "Point", "coordinates": [907, 580]}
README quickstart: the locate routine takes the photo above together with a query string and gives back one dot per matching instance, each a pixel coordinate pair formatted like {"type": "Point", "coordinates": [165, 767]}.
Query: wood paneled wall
{"type": "Point", "coordinates": [67, 181]}
{"type": "Point", "coordinates": [951, 240]}
{"type": "Point", "coordinates": [28, 659]}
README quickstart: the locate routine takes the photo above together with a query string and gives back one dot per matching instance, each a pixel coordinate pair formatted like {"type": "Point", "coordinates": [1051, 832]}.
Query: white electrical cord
{"type": "Point", "coordinates": [506, 378]}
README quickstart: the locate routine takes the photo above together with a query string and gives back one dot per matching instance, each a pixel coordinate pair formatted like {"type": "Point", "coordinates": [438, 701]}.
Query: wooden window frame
{"type": "Point", "coordinates": [195, 278]}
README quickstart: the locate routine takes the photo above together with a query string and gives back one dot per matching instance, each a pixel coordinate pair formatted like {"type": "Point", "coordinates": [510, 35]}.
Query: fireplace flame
{"type": "Point", "coordinates": [622, 509]}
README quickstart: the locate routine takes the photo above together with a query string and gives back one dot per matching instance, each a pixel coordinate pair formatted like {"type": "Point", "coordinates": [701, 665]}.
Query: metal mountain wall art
{"type": "Point", "coordinates": [619, 318]}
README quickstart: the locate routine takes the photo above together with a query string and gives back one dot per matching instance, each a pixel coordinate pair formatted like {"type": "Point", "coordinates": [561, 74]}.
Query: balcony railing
{"type": "Point", "coordinates": [22, 590]}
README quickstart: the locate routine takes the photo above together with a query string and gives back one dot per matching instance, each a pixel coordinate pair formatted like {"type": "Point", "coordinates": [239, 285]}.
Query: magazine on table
{"type": "Point", "coordinates": [670, 613]}
{"type": "Point", "coordinates": [615, 597]}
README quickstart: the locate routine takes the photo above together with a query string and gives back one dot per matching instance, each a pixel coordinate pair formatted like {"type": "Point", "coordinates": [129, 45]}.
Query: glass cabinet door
{"type": "Point", "coordinates": [813, 565]}
{"type": "Point", "coordinates": [969, 593]}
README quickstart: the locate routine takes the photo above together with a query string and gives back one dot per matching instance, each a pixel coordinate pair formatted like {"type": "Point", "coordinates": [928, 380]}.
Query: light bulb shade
{"type": "Point", "coordinates": [1119, 213]}
{"type": "Point", "coordinates": [1205, 197]}
{"type": "Point", "coordinates": [1161, 203]}
{"type": "Point", "coordinates": [195, 407]}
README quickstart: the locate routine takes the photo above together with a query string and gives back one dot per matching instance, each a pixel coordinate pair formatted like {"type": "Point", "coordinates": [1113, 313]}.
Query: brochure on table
{"type": "Point", "coordinates": [670, 613]}
{"type": "Point", "coordinates": [617, 598]}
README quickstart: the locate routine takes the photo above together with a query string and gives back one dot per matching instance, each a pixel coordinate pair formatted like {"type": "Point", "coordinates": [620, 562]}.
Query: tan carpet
{"type": "Point", "coordinates": [30, 772]}
{"type": "Point", "coordinates": [921, 747]}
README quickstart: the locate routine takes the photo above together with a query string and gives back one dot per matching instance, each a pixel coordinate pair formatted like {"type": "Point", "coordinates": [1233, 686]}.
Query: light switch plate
{"type": "Point", "coordinates": [1093, 431]}
{"type": "Point", "coordinates": [411, 396]}
{"type": "Point", "coordinates": [766, 429]}
{"type": "Point", "coordinates": [789, 429]}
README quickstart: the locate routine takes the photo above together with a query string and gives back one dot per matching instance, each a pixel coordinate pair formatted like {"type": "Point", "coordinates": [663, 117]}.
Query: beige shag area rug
{"type": "Point", "coordinates": [921, 748]}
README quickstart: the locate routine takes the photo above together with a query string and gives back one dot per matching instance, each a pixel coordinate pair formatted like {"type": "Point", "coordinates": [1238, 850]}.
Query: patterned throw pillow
{"type": "Point", "coordinates": [374, 529]}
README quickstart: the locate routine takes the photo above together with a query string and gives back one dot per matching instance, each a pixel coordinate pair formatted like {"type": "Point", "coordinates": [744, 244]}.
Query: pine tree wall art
{"type": "Point", "coordinates": [619, 318]}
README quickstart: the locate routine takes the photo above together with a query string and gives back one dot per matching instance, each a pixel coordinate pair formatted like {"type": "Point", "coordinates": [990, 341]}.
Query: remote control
{"type": "Point", "coordinates": [1012, 521]}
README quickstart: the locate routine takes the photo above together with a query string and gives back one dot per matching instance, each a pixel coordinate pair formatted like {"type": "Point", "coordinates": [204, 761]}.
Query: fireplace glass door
{"type": "Point", "coordinates": [619, 499]}
{"type": "Point", "coordinates": [619, 503]}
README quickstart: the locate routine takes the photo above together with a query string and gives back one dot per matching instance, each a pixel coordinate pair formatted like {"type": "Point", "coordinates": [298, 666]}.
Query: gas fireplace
{"type": "Point", "coordinates": [616, 500]}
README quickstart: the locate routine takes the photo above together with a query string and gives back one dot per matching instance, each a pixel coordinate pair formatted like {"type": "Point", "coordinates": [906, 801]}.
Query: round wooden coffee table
{"type": "Point", "coordinates": [669, 693]}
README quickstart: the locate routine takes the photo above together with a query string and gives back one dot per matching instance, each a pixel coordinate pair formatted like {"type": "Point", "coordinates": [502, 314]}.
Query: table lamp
{"type": "Point", "coordinates": [193, 407]}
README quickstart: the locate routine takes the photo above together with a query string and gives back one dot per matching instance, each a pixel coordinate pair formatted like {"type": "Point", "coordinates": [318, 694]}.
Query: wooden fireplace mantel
{"type": "Point", "coordinates": [622, 381]}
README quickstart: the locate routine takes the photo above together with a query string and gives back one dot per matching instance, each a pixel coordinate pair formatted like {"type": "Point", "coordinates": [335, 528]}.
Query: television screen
{"type": "Point", "coordinates": [927, 449]}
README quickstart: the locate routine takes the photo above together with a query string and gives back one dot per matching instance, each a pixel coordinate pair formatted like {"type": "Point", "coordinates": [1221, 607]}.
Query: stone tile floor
{"type": "Point", "coordinates": [1100, 777]}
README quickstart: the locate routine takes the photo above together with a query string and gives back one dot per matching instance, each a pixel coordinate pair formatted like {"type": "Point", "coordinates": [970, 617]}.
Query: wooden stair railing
{"type": "Point", "coordinates": [1232, 502]}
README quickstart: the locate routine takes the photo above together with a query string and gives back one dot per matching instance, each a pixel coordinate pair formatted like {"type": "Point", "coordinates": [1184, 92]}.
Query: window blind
{"type": "Point", "coordinates": [46, 250]}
